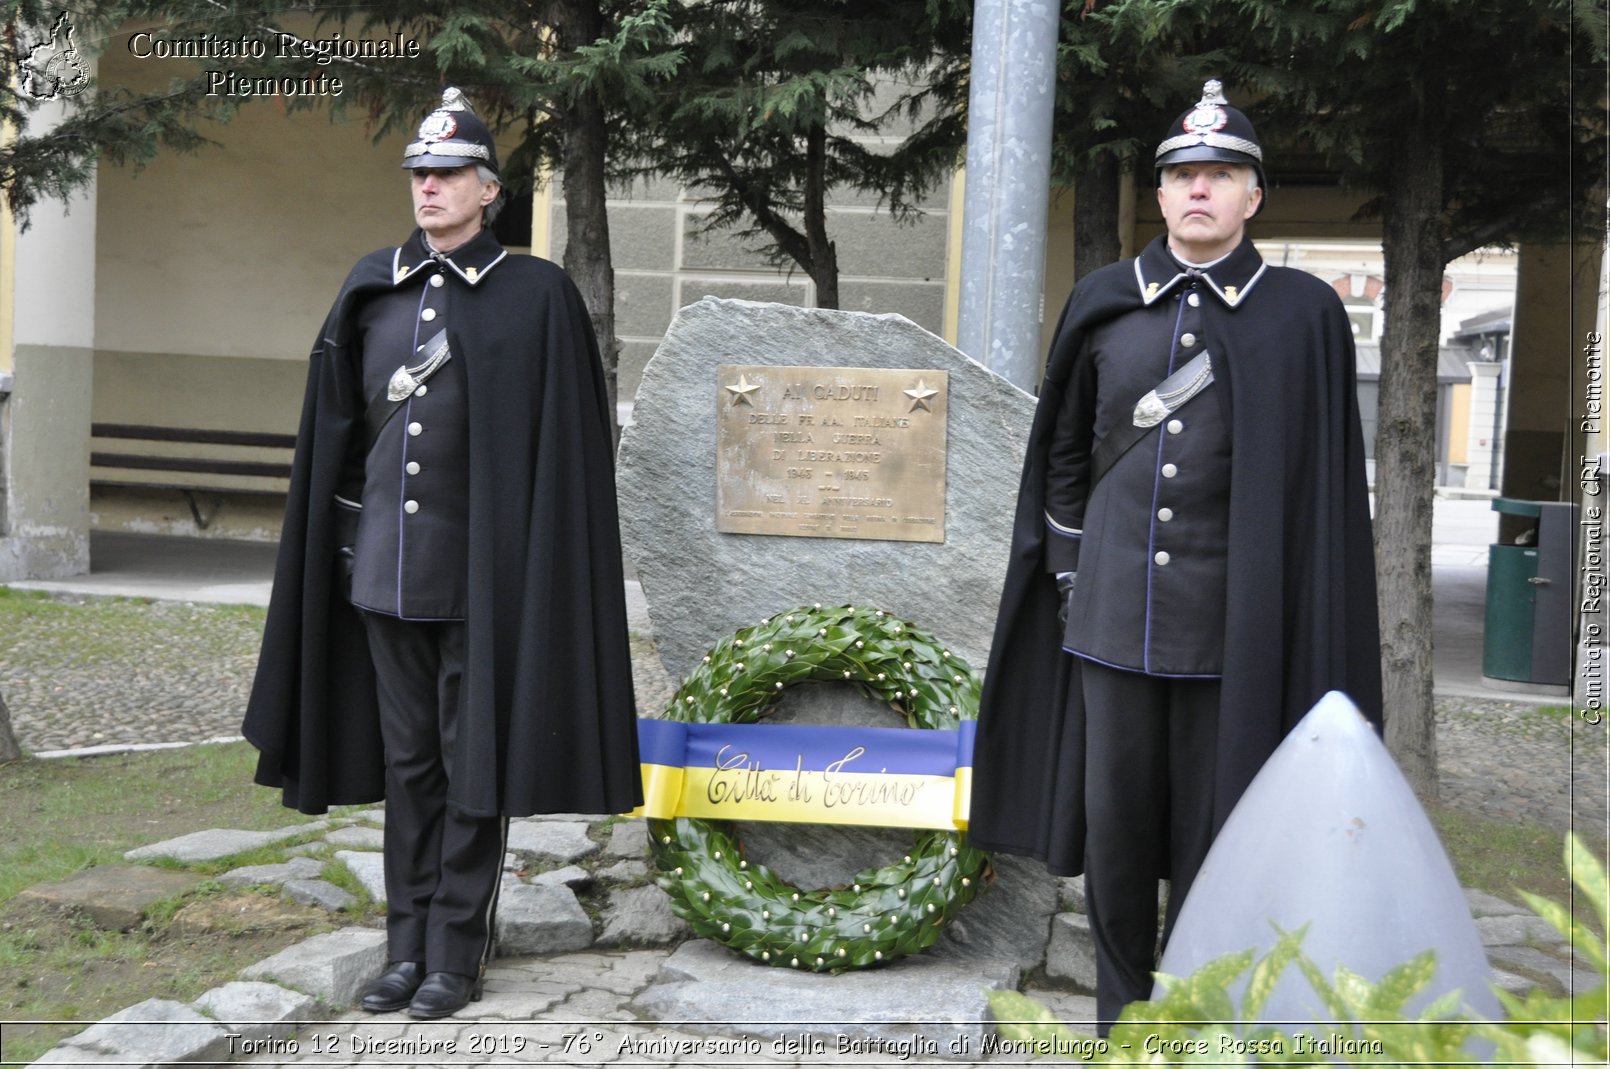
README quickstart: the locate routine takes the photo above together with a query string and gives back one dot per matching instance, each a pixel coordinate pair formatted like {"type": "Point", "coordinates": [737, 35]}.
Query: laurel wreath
{"type": "Point", "coordinates": [886, 913]}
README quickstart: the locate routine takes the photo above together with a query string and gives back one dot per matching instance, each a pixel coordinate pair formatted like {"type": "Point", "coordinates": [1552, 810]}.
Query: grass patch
{"type": "Point", "coordinates": [60, 816]}
{"type": "Point", "coordinates": [1506, 857]}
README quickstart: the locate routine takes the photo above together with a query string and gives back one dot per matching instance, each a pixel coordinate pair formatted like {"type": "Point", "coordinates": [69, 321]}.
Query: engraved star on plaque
{"type": "Point", "coordinates": [919, 395]}
{"type": "Point", "coordinates": [741, 391]}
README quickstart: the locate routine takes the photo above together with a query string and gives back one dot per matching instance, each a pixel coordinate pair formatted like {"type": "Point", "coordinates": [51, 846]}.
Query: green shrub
{"type": "Point", "coordinates": [1184, 1026]}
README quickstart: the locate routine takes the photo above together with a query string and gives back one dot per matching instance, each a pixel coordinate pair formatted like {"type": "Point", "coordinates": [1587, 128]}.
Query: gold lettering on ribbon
{"type": "Point", "coordinates": [738, 780]}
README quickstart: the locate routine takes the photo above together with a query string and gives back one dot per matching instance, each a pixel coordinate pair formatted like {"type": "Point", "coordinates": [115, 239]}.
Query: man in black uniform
{"type": "Point", "coordinates": [448, 626]}
{"type": "Point", "coordinates": [1192, 564]}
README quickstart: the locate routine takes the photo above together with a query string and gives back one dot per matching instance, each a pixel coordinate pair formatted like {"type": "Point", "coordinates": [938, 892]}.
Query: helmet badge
{"type": "Point", "coordinates": [1209, 115]}
{"type": "Point", "coordinates": [438, 126]}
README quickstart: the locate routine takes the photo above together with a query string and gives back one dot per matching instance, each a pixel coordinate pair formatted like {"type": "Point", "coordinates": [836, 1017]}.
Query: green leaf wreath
{"type": "Point", "coordinates": [886, 913]}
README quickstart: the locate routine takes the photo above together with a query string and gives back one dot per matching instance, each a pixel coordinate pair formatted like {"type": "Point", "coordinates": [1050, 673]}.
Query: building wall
{"type": "Point", "coordinates": [213, 271]}
{"type": "Point", "coordinates": [666, 258]}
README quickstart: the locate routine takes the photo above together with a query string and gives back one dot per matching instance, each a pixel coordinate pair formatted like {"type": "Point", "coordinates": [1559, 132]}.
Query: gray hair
{"type": "Point", "coordinates": [490, 212]}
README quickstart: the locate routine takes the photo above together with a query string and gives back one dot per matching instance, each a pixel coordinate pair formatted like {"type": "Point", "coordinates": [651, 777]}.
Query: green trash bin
{"type": "Point", "coordinates": [1526, 634]}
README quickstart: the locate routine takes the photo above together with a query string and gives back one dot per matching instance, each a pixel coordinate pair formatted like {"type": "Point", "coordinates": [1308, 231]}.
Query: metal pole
{"type": "Point", "coordinates": [1008, 185]}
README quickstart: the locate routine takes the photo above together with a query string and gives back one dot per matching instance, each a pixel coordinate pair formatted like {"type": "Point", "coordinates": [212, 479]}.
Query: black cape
{"type": "Point", "coordinates": [1301, 615]}
{"type": "Point", "coordinates": [549, 721]}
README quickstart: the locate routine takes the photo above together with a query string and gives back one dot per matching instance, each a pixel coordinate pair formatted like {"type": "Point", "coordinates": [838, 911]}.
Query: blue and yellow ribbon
{"type": "Point", "coordinates": [883, 777]}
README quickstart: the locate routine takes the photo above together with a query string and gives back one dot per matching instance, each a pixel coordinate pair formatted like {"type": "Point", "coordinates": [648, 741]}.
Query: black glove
{"type": "Point", "coordinates": [1064, 595]}
{"type": "Point", "coordinates": [346, 560]}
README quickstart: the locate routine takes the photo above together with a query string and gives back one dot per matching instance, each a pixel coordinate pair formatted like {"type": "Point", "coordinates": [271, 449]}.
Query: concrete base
{"type": "Point", "coordinates": [44, 464]}
{"type": "Point", "coordinates": [1515, 686]}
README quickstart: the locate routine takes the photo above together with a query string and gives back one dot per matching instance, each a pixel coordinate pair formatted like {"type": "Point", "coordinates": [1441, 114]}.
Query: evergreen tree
{"type": "Point", "coordinates": [780, 103]}
{"type": "Point", "coordinates": [44, 63]}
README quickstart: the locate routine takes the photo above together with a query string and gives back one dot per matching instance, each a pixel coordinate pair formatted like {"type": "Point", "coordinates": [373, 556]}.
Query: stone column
{"type": "Point", "coordinates": [1008, 186]}
{"type": "Point", "coordinates": [45, 415]}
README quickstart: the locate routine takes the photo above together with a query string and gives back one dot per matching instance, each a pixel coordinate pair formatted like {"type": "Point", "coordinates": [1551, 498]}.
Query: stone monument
{"type": "Point", "coordinates": [811, 425]}
{"type": "Point", "coordinates": [780, 457]}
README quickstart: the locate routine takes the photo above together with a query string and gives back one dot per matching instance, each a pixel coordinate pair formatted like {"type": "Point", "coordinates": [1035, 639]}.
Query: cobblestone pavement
{"type": "Point", "coordinates": [84, 671]}
{"type": "Point", "coordinates": [1518, 761]}
{"type": "Point", "coordinates": [79, 672]}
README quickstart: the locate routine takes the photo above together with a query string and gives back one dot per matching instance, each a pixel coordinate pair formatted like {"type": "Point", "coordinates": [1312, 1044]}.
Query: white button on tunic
{"type": "Point", "coordinates": [1169, 471]}
{"type": "Point", "coordinates": [1174, 425]}
{"type": "Point", "coordinates": [412, 467]}
{"type": "Point", "coordinates": [1187, 340]}
{"type": "Point", "coordinates": [1165, 514]}
{"type": "Point", "coordinates": [436, 280]}
{"type": "Point", "coordinates": [414, 429]}
{"type": "Point", "coordinates": [410, 507]}
{"type": "Point", "coordinates": [430, 313]}
{"type": "Point", "coordinates": [1161, 558]}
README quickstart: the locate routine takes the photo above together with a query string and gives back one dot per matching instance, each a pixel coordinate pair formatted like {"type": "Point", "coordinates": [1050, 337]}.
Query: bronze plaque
{"type": "Point", "coordinates": [831, 452]}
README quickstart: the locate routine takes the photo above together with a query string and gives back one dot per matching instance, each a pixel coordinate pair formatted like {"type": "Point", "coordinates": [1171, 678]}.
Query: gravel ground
{"type": "Point", "coordinates": [91, 672]}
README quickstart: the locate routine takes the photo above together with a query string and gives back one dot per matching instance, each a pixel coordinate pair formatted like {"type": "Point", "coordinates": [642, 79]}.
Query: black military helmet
{"type": "Point", "coordinates": [452, 136]}
{"type": "Point", "coordinates": [1212, 130]}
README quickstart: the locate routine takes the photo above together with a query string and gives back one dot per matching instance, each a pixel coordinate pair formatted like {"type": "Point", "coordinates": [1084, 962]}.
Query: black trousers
{"type": "Point", "coordinates": [442, 867]}
{"type": "Point", "coordinates": [1149, 809]}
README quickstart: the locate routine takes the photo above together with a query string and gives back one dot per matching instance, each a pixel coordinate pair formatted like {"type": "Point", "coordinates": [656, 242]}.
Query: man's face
{"type": "Point", "coordinates": [1206, 206]}
{"type": "Point", "coordinates": [448, 203]}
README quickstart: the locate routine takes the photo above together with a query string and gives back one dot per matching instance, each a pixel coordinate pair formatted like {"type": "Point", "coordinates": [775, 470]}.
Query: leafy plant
{"type": "Point", "coordinates": [1190, 1024]}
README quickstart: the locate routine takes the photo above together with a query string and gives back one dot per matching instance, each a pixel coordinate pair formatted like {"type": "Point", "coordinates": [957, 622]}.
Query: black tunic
{"type": "Point", "coordinates": [411, 557]}
{"type": "Point", "coordinates": [1152, 534]}
{"type": "Point", "coordinates": [549, 719]}
{"type": "Point", "coordinates": [1299, 612]}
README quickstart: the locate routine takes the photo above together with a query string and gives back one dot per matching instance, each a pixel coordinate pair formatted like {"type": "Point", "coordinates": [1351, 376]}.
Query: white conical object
{"type": "Point", "coordinates": [1330, 835]}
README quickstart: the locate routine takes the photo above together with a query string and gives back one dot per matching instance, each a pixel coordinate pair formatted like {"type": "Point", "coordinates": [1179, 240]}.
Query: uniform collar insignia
{"type": "Point", "coordinates": [1232, 278]}
{"type": "Point", "coordinates": [471, 261]}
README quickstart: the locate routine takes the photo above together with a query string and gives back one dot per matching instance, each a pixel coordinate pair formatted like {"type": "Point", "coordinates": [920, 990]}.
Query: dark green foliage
{"type": "Point", "coordinates": [783, 103]}
{"type": "Point", "coordinates": [42, 161]}
{"type": "Point", "coordinates": [1513, 95]}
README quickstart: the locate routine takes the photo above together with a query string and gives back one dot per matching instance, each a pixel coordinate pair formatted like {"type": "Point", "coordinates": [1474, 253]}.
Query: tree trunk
{"type": "Point", "coordinates": [9, 750]}
{"type": "Point", "coordinates": [824, 265]}
{"type": "Point", "coordinates": [1095, 216]}
{"type": "Point", "coordinates": [587, 253]}
{"type": "Point", "coordinates": [1405, 449]}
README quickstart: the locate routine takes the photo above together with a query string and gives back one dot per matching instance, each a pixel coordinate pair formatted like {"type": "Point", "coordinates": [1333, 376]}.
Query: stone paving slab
{"type": "Point", "coordinates": [357, 837]}
{"type": "Point", "coordinates": [545, 919]}
{"type": "Point", "coordinates": [320, 893]}
{"type": "Point", "coordinates": [332, 967]}
{"type": "Point", "coordinates": [154, 1034]}
{"type": "Point", "coordinates": [369, 868]}
{"type": "Point", "coordinates": [551, 840]}
{"type": "Point", "coordinates": [208, 845]}
{"type": "Point", "coordinates": [255, 1011]}
{"type": "Point", "coordinates": [296, 868]}
{"type": "Point", "coordinates": [917, 1000]}
{"type": "Point", "coordinates": [114, 897]}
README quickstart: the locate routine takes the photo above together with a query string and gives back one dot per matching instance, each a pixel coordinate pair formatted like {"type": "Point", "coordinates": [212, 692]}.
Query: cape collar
{"type": "Point", "coordinates": [1231, 279]}
{"type": "Point", "coordinates": [471, 261]}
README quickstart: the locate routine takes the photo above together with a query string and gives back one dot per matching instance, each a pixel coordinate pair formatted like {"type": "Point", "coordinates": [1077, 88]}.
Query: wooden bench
{"type": "Point", "coordinates": [191, 461]}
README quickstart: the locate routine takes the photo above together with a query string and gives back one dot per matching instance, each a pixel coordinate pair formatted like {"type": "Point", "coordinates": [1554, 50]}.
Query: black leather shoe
{"type": "Point", "coordinates": [394, 988]}
{"type": "Point", "coordinates": [444, 994]}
